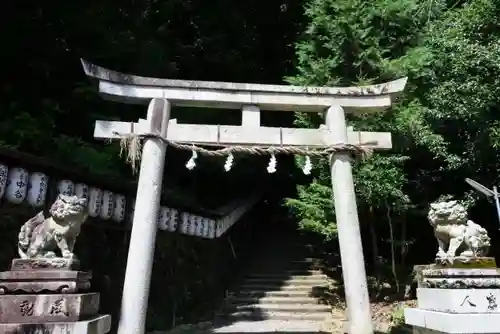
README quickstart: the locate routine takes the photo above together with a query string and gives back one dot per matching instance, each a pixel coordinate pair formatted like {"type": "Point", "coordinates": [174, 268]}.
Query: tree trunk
{"type": "Point", "coordinates": [393, 253]}
{"type": "Point", "coordinates": [375, 250]}
{"type": "Point", "coordinates": [404, 243]}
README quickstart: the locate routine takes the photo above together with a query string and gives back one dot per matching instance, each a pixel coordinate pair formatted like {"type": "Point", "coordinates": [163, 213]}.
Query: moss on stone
{"type": "Point", "coordinates": [477, 263]}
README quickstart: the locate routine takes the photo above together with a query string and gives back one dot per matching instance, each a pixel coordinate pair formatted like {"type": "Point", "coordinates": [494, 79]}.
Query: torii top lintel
{"type": "Point", "coordinates": [129, 88]}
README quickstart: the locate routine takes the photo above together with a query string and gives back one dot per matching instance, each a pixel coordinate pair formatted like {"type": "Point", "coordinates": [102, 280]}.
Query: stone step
{"type": "Point", "coordinates": [307, 260]}
{"type": "Point", "coordinates": [271, 326]}
{"type": "Point", "coordinates": [287, 259]}
{"type": "Point", "coordinates": [302, 265]}
{"type": "Point", "coordinates": [299, 264]}
{"type": "Point", "coordinates": [292, 308]}
{"type": "Point", "coordinates": [286, 271]}
{"type": "Point", "coordinates": [272, 300]}
{"type": "Point", "coordinates": [266, 286]}
{"type": "Point", "coordinates": [280, 273]}
{"type": "Point", "coordinates": [275, 293]}
{"type": "Point", "coordinates": [286, 281]}
{"type": "Point", "coordinates": [276, 315]}
{"type": "Point", "coordinates": [285, 277]}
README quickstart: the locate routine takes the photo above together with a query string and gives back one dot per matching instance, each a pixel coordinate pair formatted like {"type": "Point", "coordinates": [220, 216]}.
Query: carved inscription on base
{"type": "Point", "coordinates": [47, 308]}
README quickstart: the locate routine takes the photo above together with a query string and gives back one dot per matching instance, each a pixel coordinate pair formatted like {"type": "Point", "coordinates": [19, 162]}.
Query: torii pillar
{"type": "Point", "coordinates": [250, 99]}
{"type": "Point", "coordinates": [346, 212]}
{"type": "Point", "coordinates": [142, 238]}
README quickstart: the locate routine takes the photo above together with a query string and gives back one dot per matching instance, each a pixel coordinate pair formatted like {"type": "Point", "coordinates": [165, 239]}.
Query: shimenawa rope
{"type": "Point", "coordinates": [131, 146]}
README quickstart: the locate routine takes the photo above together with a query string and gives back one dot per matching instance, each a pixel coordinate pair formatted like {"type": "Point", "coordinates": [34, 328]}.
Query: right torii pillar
{"type": "Point", "coordinates": [346, 212]}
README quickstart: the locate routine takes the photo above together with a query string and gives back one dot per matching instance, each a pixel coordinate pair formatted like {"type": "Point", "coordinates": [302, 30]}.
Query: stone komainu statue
{"type": "Point", "coordinates": [40, 237]}
{"type": "Point", "coordinates": [455, 234]}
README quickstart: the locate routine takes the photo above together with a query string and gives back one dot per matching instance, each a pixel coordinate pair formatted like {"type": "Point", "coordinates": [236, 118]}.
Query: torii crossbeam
{"type": "Point", "coordinates": [162, 94]}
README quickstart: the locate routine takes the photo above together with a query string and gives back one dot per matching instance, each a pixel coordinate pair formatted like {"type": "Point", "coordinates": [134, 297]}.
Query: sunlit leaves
{"type": "Point", "coordinates": [446, 124]}
{"type": "Point", "coordinates": [315, 209]}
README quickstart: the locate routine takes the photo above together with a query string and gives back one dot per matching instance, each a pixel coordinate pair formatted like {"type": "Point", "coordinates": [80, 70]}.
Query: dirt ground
{"type": "Point", "coordinates": [387, 308]}
{"type": "Point", "coordinates": [383, 315]}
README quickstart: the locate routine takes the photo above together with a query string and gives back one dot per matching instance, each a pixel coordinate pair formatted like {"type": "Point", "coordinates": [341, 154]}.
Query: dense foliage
{"type": "Point", "coordinates": [445, 126]}
{"type": "Point", "coordinates": [49, 106]}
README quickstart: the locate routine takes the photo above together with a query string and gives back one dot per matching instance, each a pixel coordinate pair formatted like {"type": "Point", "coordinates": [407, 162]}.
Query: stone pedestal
{"type": "Point", "coordinates": [96, 325]}
{"type": "Point", "coordinates": [49, 296]}
{"type": "Point", "coordinates": [458, 298]}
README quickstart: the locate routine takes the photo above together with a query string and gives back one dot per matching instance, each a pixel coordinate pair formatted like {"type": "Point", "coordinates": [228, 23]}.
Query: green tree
{"type": "Point", "coordinates": [445, 126]}
{"type": "Point", "coordinates": [349, 42]}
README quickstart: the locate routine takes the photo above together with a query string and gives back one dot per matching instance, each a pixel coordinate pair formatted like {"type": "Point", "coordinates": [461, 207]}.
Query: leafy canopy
{"type": "Point", "coordinates": [445, 126]}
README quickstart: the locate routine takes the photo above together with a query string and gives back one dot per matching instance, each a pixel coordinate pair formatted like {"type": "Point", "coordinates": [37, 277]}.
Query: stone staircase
{"type": "Point", "coordinates": [280, 293]}
{"type": "Point", "coordinates": [269, 296]}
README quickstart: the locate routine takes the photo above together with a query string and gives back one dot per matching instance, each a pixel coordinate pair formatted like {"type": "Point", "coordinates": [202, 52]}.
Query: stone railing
{"type": "Point", "coordinates": [18, 185]}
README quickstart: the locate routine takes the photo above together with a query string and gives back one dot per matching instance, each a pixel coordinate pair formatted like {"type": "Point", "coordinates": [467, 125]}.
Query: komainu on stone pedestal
{"type": "Point", "coordinates": [43, 292]}
{"type": "Point", "coordinates": [461, 292]}
{"type": "Point", "coordinates": [459, 239]}
{"type": "Point", "coordinates": [40, 237]}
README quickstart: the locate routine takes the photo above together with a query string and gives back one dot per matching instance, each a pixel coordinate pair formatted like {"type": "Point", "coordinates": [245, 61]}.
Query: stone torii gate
{"type": "Point", "coordinates": [162, 94]}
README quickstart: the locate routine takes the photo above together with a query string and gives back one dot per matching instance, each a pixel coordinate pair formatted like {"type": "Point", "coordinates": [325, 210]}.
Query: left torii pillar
{"type": "Point", "coordinates": [142, 240]}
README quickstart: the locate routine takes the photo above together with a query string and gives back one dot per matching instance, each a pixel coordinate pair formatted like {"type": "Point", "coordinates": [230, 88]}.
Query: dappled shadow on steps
{"type": "Point", "coordinates": [276, 292]}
